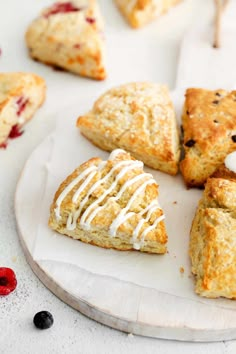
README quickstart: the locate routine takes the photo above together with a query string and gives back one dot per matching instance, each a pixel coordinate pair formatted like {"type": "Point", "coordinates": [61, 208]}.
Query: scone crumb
{"type": "Point", "coordinates": [175, 202]}
{"type": "Point", "coordinates": [181, 269]}
{"type": "Point", "coordinates": [130, 335]}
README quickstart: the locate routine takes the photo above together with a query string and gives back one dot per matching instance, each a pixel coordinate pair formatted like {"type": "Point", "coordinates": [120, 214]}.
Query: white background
{"type": "Point", "coordinates": [72, 332]}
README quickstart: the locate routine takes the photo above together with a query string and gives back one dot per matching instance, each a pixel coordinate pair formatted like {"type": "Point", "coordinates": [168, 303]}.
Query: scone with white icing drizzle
{"type": "Point", "coordinates": [138, 117]}
{"type": "Point", "coordinates": [69, 35]}
{"type": "Point", "coordinates": [21, 94]}
{"type": "Point", "coordinates": [140, 12]}
{"type": "Point", "coordinates": [111, 204]}
{"type": "Point", "coordinates": [213, 234]}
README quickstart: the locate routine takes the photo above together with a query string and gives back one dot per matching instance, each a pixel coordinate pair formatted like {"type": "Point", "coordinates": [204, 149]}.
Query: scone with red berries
{"type": "Point", "coordinates": [69, 35]}
{"type": "Point", "coordinates": [140, 12]}
{"type": "Point", "coordinates": [21, 94]}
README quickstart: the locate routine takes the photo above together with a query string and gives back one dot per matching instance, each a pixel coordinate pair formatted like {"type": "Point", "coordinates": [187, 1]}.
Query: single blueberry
{"type": "Point", "coordinates": [43, 320]}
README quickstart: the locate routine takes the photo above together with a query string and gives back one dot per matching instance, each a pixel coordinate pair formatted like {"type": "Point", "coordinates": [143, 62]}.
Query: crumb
{"type": "Point", "coordinates": [181, 269]}
{"type": "Point", "coordinates": [175, 202]}
{"type": "Point", "coordinates": [14, 259]}
{"type": "Point", "coordinates": [130, 335]}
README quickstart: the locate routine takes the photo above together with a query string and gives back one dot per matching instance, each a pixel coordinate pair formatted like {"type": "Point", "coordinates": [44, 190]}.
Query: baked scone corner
{"type": "Point", "coordinates": [213, 234]}
{"type": "Point", "coordinates": [21, 94]}
{"type": "Point", "coordinates": [138, 117]}
{"type": "Point", "coordinates": [111, 204]}
{"type": "Point", "coordinates": [140, 12]}
{"type": "Point", "coordinates": [70, 35]}
{"type": "Point", "coordinates": [209, 128]}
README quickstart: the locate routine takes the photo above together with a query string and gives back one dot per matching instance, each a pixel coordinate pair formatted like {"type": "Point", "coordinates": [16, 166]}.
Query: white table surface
{"type": "Point", "coordinates": [72, 332]}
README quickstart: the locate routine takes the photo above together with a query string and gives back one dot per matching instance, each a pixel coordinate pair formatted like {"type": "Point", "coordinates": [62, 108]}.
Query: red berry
{"type": "Point", "coordinates": [63, 7]}
{"type": "Point", "coordinates": [8, 281]}
{"type": "Point", "coordinates": [15, 132]}
{"type": "Point", "coordinates": [21, 102]}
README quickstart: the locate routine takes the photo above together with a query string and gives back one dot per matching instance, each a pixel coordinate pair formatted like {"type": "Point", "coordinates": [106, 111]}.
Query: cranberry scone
{"type": "Point", "coordinates": [21, 94]}
{"type": "Point", "coordinates": [140, 12]}
{"type": "Point", "coordinates": [209, 128]}
{"type": "Point", "coordinates": [69, 35]}
{"type": "Point", "coordinates": [213, 234]}
{"type": "Point", "coordinates": [137, 117]}
{"type": "Point", "coordinates": [111, 204]}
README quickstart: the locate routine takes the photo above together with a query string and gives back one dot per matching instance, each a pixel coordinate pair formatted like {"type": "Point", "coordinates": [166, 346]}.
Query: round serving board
{"type": "Point", "coordinates": [119, 304]}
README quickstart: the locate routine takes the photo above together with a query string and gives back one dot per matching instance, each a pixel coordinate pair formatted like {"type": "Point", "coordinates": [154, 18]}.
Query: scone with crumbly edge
{"type": "Point", "coordinates": [69, 35]}
{"type": "Point", "coordinates": [213, 237]}
{"type": "Point", "coordinates": [21, 94]}
{"type": "Point", "coordinates": [209, 127]}
{"type": "Point", "coordinates": [140, 12]}
{"type": "Point", "coordinates": [111, 204]}
{"type": "Point", "coordinates": [138, 117]}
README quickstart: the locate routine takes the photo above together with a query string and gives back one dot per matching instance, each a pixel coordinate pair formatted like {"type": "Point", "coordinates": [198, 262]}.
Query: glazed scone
{"type": "Point", "coordinates": [213, 237]}
{"type": "Point", "coordinates": [140, 12]}
{"type": "Point", "coordinates": [139, 118]}
{"type": "Point", "coordinates": [209, 127]}
{"type": "Point", "coordinates": [111, 204]}
{"type": "Point", "coordinates": [21, 94]}
{"type": "Point", "coordinates": [69, 35]}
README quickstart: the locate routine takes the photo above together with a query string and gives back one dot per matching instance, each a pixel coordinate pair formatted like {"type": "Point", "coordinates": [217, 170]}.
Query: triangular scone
{"type": "Point", "coordinates": [69, 35]}
{"type": "Point", "coordinates": [209, 126]}
{"type": "Point", "coordinates": [140, 12]}
{"type": "Point", "coordinates": [111, 204]}
{"type": "Point", "coordinates": [137, 117]}
{"type": "Point", "coordinates": [213, 236]}
{"type": "Point", "coordinates": [21, 94]}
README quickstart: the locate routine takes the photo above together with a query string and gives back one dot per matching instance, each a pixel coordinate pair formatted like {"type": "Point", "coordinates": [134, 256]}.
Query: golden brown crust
{"type": "Point", "coordinates": [137, 117]}
{"type": "Point", "coordinates": [140, 12]}
{"type": "Point", "coordinates": [21, 94]}
{"type": "Point", "coordinates": [99, 231]}
{"type": "Point", "coordinates": [213, 238]}
{"type": "Point", "coordinates": [209, 125]}
{"type": "Point", "coordinates": [72, 40]}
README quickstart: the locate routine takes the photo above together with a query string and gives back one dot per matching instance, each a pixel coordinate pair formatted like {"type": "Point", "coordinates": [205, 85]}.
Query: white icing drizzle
{"type": "Point", "coordinates": [121, 216]}
{"type": "Point", "coordinates": [130, 165]}
{"type": "Point", "coordinates": [75, 216]}
{"type": "Point", "coordinates": [230, 161]}
{"type": "Point", "coordinates": [90, 213]}
{"type": "Point", "coordinates": [69, 188]}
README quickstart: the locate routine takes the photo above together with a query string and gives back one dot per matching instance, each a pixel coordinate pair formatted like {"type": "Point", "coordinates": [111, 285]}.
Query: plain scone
{"type": "Point", "coordinates": [137, 117]}
{"type": "Point", "coordinates": [111, 204]}
{"type": "Point", "coordinates": [213, 237]}
{"type": "Point", "coordinates": [70, 35]}
{"type": "Point", "coordinates": [209, 127]}
{"type": "Point", "coordinates": [140, 12]}
{"type": "Point", "coordinates": [21, 94]}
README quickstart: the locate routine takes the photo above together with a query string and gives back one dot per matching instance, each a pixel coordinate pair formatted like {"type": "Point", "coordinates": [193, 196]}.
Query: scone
{"type": "Point", "coordinates": [21, 94]}
{"type": "Point", "coordinates": [137, 117]}
{"type": "Point", "coordinates": [140, 12]}
{"type": "Point", "coordinates": [69, 35]}
{"type": "Point", "coordinates": [111, 204]}
{"type": "Point", "coordinates": [209, 126]}
{"type": "Point", "coordinates": [213, 235]}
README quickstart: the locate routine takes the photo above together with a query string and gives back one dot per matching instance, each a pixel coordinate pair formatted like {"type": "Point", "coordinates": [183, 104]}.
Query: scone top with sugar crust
{"type": "Point", "coordinates": [138, 117]}
{"type": "Point", "coordinates": [209, 126]}
{"type": "Point", "coordinates": [21, 94]}
{"type": "Point", "coordinates": [140, 12]}
{"type": "Point", "coordinates": [112, 204]}
{"type": "Point", "coordinates": [70, 35]}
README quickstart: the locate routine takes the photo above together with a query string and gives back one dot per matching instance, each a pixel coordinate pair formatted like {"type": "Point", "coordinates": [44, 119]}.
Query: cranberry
{"type": "Point", "coordinates": [8, 281]}
{"type": "Point", "coordinates": [61, 8]}
{"type": "Point", "coordinates": [21, 102]}
{"type": "Point", "coordinates": [90, 20]}
{"type": "Point", "coordinates": [3, 145]}
{"type": "Point", "coordinates": [15, 132]}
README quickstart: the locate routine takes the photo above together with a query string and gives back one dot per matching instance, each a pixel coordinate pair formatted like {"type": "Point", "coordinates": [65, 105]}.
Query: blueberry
{"type": "Point", "coordinates": [43, 320]}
